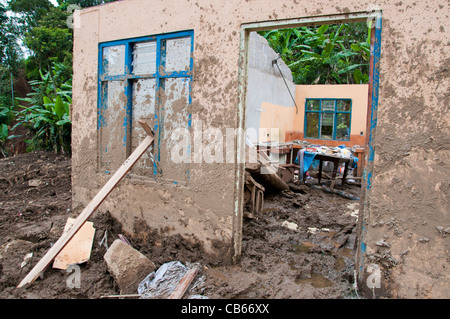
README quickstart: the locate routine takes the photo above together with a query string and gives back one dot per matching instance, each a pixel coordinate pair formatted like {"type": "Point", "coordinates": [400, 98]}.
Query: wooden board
{"type": "Point", "coordinates": [184, 284]}
{"type": "Point", "coordinates": [78, 249]}
{"type": "Point", "coordinates": [87, 212]}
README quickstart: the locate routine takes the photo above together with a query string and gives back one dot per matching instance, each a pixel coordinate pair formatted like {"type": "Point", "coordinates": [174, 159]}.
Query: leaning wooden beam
{"type": "Point", "coordinates": [90, 209]}
{"type": "Point", "coordinates": [184, 284]}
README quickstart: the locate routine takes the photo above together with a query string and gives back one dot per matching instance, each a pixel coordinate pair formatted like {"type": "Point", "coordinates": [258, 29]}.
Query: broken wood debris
{"type": "Point", "coordinates": [184, 284]}
{"type": "Point", "coordinates": [172, 280]}
{"type": "Point", "coordinates": [90, 208]}
{"type": "Point", "coordinates": [127, 266]}
{"type": "Point", "coordinates": [253, 194]}
{"type": "Point", "coordinates": [78, 249]}
{"type": "Point", "coordinates": [335, 191]}
{"type": "Point", "coordinates": [125, 296]}
{"type": "Point", "coordinates": [267, 174]}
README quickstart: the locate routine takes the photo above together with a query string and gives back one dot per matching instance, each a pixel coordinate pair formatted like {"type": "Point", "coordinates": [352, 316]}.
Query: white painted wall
{"type": "Point", "coordinates": [265, 83]}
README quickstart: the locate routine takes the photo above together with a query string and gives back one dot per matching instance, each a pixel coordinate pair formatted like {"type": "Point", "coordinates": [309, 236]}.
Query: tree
{"type": "Point", "coordinates": [49, 44]}
{"type": "Point", "coordinates": [43, 29]}
{"type": "Point", "coordinates": [30, 12]}
{"type": "Point", "coordinates": [84, 3]}
{"type": "Point", "coordinates": [10, 53]}
{"type": "Point", "coordinates": [11, 62]}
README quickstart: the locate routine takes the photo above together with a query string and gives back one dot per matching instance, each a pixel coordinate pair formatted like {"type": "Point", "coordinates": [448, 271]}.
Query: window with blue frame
{"type": "Point", "coordinates": [143, 78]}
{"type": "Point", "coordinates": [328, 119]}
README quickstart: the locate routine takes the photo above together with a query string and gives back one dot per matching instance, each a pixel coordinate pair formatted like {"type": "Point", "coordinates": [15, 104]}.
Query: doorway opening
{"type": "Point", "coordinates": [308, 101]}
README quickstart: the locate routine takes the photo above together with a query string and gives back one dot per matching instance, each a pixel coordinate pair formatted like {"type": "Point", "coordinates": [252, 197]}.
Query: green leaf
{"type": "Point", "coordinates": [328, 49]}
{"type": "Point", "coordinates": [349, 68]}
{"type": "Point", "coordinates": [63, 122]}
{"type": "Point", "coordinates": [66, 108]}
{"type": "Point", "coordinates": [357, 76]}
{"type": "Point", "coordinates": [48, 103]}
{"type": "Point", "coordinates": [59, 107]}
{"type": "Point", "coordinates": [356, 47]}
{"type": "Point", "coordinates": [3, 131]}
{"type": "Point", "coordinates": [322, 29]}
{"type": "Point", "coordinates": [339, 31]}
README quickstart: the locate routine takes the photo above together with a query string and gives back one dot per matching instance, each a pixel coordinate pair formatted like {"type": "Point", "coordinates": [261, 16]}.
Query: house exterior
{"type": "Point", "coordinates": [183, 66]}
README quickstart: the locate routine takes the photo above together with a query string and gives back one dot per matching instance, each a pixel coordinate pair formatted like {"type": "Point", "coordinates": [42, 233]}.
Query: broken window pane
{"type": "Point", "coordinates": [114, 60]}
{"type": "Point", "coordinates": [343, 126]}
{"type": "Point", "coordinates": [312, 125]}
{"type": "Point", "coordinates": [327, 124]}
{"type": "Point", "coordinates": [144, 58]}
{"type": "Point", "coordinates": [178, 54]}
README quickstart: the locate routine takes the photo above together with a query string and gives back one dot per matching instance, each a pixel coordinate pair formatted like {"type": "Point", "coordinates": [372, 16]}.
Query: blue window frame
{"type": "Point", "coordinates": [135, 79]}
{"type": "Point", "coordinates": [328, 119]}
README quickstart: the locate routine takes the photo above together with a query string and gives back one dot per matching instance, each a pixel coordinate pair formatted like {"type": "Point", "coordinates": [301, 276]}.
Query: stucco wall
{"type": "Point", "coordinates": [408, 196]}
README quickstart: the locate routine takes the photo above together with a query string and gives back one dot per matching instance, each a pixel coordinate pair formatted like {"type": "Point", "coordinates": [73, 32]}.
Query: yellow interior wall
{"type": "Point", "coordinates": [287, 119]}
{"type": "Point", "coordinates": [273, 117]}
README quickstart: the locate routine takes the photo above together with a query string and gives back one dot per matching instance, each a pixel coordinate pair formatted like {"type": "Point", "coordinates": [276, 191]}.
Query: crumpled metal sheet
{"type": "Point", "coordinates": [161, 283]}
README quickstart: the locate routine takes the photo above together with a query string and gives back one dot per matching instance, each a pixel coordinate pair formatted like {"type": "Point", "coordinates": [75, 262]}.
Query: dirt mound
{"type": "Point", "coordinates": [35, 203]}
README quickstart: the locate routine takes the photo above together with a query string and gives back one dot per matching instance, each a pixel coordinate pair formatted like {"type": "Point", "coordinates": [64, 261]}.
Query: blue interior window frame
{"type": "Point", "coordinates": [320, 112]}
{"type": "Point", "coordinates": [128, 77]}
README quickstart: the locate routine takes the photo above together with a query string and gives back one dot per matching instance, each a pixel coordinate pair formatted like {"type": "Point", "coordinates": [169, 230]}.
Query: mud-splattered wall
{"type": "Point", "coordinates": [405, 210]}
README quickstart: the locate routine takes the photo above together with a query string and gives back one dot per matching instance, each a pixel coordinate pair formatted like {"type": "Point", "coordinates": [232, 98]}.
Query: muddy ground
{"type": "Point", "coordinates": [301, 246]}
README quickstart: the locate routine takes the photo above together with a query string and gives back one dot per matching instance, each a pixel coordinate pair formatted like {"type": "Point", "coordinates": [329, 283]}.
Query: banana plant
{"type": "Point", "coordinates": [325, 54]}
{"type": "Point", "coordinates": [47, 113]}
{"type": "Point", "coordinates": [4, 137]}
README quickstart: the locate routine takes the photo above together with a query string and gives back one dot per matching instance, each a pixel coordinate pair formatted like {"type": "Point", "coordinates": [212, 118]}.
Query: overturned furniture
{"type": "Point", "coordinates": [253, 194]}
{"type": "Point", "coordinates": [260, 176]}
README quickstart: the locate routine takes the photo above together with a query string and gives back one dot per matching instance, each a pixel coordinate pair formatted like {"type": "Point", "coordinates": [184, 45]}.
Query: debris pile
{"type": "Point", "coordinates": [127, 266]}
{"type": "Point", "coordinates": [138, 277]}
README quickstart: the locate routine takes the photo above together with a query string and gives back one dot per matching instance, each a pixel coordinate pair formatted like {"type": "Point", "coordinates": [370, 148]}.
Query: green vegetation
{"type": "Point", "coordinates": [327, 54]}
{"type": "Point", "coordinates": [36, 48]}
{"type": "Point", "coordinates": [47, 115]}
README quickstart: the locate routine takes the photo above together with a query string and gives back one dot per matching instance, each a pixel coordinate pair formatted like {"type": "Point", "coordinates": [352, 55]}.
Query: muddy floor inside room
{"type": "Point", "coordinates": [300, 246]}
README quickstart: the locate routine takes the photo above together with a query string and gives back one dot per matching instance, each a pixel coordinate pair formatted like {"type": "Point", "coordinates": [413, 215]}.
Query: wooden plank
{"type": "Point", "coordinates": [120, 296]}
{"type": "Point", "coordinates": [87, 212]}
{"type": "Point", "coordinates": [184, 284]}
{"type": "Point", "coordinates": [78, 249]}
{"type": "Point", "coordinates": [146, 127]}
